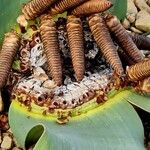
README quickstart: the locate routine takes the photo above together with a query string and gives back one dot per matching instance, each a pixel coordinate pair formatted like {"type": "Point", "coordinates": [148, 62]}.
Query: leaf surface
{"type": "Point", "coordinates": [141, 101]}
{"type": "Point", "coordinates": [119, 8]}
{"type": "Point", "coordinates": [114, 125]}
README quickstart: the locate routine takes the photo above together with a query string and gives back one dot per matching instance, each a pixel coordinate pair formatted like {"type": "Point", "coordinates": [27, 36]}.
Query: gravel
{"type": "Point", "coordinates": [7, 140]}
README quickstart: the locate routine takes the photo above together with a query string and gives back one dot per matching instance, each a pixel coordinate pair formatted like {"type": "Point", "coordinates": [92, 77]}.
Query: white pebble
{"type": "Point", "coordinates": [7, 142]}
{"type": "Point", "coordinates": [126, 23]}
{"type": "Point", "coordinates": [40, 74]}
{"type": "Point", "coordinates": [136, 30]}
{"type": "Point", "coordinates": [50, 84]}
{"type": "Point", "coordinates": [16, 148]}
{"type": "Point", "coordinates": [141, 4]}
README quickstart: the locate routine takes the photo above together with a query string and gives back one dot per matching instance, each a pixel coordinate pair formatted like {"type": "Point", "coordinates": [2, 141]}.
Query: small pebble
{"type": "Point", "coordinates": [9, 131]}
{"type": "Point", "coordinates": [141, 4]}
{"type": "Point", "coordinates": [16, 148]}
{"type": "Point", "coordinates": [131, 18]}
{"type": "Point", "coordinates": [136, 30]}
{"type": "Point", "coordinates": [143, 21]}
{"type": "Point", "coordinates": [126, 23]}
{"type": "Point", "coordinates": [131, 11]}
{"type": "Point", "coordinates": [40, 74]}
{"type": "Point", "coordinates": [15, 142]}
{"type": "Point", "coordinates": [7, 142]}
{"type": "Point", "coordinates": [6, 134]}
{"type": "Point", "coordinates": [49, 84]}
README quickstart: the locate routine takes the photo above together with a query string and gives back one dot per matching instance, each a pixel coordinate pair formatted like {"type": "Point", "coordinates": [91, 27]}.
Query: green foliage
{"type": "Point", "coordinates": [143, 103]}
{"type": "Point", "coordinates": [9, 10]}
{"type": "Point", "coordinates": [119, 8]}
{"type": "Point", "coordinates": [16, 65]}
{"type": "Point", "coordinates": [114, 125]}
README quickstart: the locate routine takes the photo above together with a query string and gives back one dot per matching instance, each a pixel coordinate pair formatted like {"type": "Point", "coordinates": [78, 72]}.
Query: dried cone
{"type": "Point", "coordinates": [139, 71]}
{"type": "Point", "coordinates": [34, 8]}
{"type": "Point", "coordinates": [64, 5]}
{"type": "Point", "coordinates": [76, 44]}
{"type": "Point", "coordinates": [90, 7]}
{"type": "Point", "coordinates": [123, 38]}
{"type": "Point", "coordinates": [49, 38]}
{"type": "Point", "coordinates": [141, 41]}
{"type": "Point", "coordinates": [9, 48]}
{"type": "Point", "coordinates": [125, 58]}
{"type": "Point", "coordinates": [104, 41]}
{"type": "Point", "coordinates": [144, 85]}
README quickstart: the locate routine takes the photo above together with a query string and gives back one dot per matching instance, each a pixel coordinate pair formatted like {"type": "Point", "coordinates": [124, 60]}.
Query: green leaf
{"type": "Point", "coordinates": [113, 126]}
{"type": "Point", "coordinates": [119, 8]}
{"type": "Point", "coordinates": [16, 65]}
{"type": "Point", "coordinates": [9, 10]}
{"type": "Point", "coordinates": [63, 15]}
{"type": "Point", "coordinates": [141, 101]}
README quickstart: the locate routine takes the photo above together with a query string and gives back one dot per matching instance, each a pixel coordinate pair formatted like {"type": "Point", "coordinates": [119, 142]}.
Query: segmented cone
{"type": "Point", "coordinates": [90, 7]}
{"type": "Point", "coordinates": [139, 71]}
{"type": "Point", "coordinates": [9, 48]}
{"type": "Point", "coordinates": [125, 58]}
{"type": "Point", "coordinates": [123, 38]}
{"type": "Point", "coordinates": [64, 5]}
{"type": "Point", "coordinates": [141, 41]}
{"type": "Point", "coordinates": [35, 7]}
{"type": "Point", "coordinates": [104, 41]}
{"type": "Point", "coordinates": [76, 44]}
{"type": "Point", "coordinates": [144, 85]}
{"type": "Point", "coordinates": [51, 47]}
